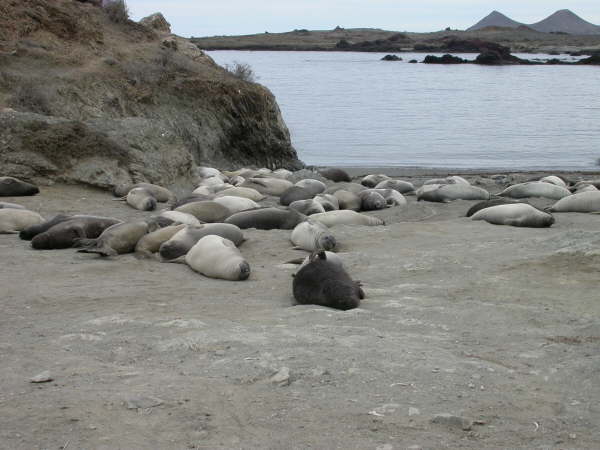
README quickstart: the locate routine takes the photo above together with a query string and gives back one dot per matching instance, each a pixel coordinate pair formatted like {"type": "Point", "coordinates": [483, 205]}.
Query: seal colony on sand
{"type": "Point", "coordinates": [226, 201]}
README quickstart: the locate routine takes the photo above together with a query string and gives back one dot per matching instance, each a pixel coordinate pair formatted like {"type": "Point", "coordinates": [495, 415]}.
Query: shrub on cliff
{"type": "Point", "coordinates": [242, 71]}
{"type": "Point", "coordinates": [116, 10]}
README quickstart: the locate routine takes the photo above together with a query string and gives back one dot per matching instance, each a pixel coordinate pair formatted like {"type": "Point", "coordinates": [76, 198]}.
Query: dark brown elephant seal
{"type": "Point", "coordinates": [65, 234]}
{"type": "Point", "coordinates": [267, 219]}
{"type": "Point", "coordinates": [335, 175]}
{"type": "Point", "coordinates": [325, 283]}
{"type": "Point", "coordinates": [13, 187]}
{"type": "Point", "coordinates": [30, 232]}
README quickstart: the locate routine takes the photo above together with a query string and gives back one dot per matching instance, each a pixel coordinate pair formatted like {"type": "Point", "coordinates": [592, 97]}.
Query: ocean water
{"type": "Point", "coordinates": [351, 109]}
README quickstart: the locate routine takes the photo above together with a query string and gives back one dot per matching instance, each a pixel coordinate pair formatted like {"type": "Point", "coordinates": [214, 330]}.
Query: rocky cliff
{"type": "Point", "coordinates": [84, 99]}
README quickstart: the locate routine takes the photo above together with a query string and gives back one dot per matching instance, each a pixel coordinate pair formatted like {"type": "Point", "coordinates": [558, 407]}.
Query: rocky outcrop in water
{"type": "Point", "coordinates": [86, 100]}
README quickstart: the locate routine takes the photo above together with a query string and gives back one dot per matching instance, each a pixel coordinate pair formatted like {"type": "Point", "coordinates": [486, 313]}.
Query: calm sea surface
{"type": "Point", "coordinates": [352, 109]}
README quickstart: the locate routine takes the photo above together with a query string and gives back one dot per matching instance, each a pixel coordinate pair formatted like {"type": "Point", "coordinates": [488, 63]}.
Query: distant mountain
{"type": "Point", "coordinates": [563, 21]}
{"type": "Point", "coordinates": [566, 21]}
{"type": "Point", "coordinates": [495, 19]}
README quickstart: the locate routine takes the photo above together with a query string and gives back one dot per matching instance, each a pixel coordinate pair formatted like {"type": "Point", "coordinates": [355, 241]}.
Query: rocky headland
{"type": "Point", "coordinates": [89, 98]}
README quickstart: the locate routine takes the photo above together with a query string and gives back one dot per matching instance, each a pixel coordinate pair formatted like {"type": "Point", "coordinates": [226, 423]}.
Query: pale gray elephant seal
{"type": "Point", "coordinates": [335, 175]}
{"type": "Point", "coordinates": [206, 211]}
{"type": "Point", "coordinates": [150, 243]}
{"type": "Point", "coordinates": [583, 202]}
{"type": "Point", "coordinates": [535, 189]}
{"type": "Point", "coordinates": [65, 234]}
{"type": "Point", "coordinates": [311, 185]}
{"type": "Point", "coordinates": [350, 187]}
{"type": "Point", "coordinates": [371, 181]}
{"type": "Point", "coordinates": [160, 193]}
{"type": "Point", "coordinates": [488, 203]}
{"type": "Point", "coordinates": [190, 199]}
{"type": "Point", "coordinates": [7, 205]}
{"type": "Point", "coordinates": [268, 186]}
{"type": "Point", "coordinates": [313, 236]}
{"type": "Point", "coordinates": [348, 200]}
{"type": "Point", "coordinates": [307, 207]}
{"type": "Point", "coordinates": [404, 187]}
{"type": "Point", "coordinates": [449, 192]}
{"type": "Point", "coordinates": [217, 257]}
{"type": "Point", "coordinates": [371, 201]}
{"type": "Point", "coordinates": [293, 194]}
{"type": "Point", "coordinates": [13, 187]}
{"type": "Point", "coordinates": [392, 197]}
{"type": "Point", "coordinates": [267, 219]}
{"type": "Point", "coordinates": [323, 283]}
{"type": "Point", "coordinates": [516, 215]}
{"type": "Point", "coordinates": [116, 240]}
{"type": "Point", "coordinates": [182, 241]}
{"type": "Point", "coordinates": [346, 217]}
{"type": "Point", "coordinates": [141, 199]}
{"type": "Point", "coordinates": [328, 201]}
{"type": "Point", "coordinates": [13, 221]}
{"type": "Point", "coordinates": [179, 217]}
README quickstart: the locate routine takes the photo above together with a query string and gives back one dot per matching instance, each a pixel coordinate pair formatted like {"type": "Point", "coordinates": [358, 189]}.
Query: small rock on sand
{"type": "Point", "coordinates": [43, 377]}
{"type": "Point", "coordinates": [282, 377]}
{"type": "Point", "coordinates": [143, 402]}
{"type": "Point", "coordinates": [452, 421]}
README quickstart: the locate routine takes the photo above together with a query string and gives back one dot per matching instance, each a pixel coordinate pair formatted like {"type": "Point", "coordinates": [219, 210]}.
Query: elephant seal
{"type": "Point", "coordinates": [267, 219]}
{"type": "Point", "coordinates": [30, 232]}
{"type": "Point", "coordinates": [583, 188]}
{"type": "Point", "coordinates": [516, 215]}
{"type": "Point", "coordinates": [328, 201]}
{"type": "Point", "coordinates": [282, 173]}
{"type": "Point", "coordinates": [455, 179]}
{"type": "Point", "coordinates": [553, 179]}
{"type": "Point", "coordinates": [307, 207]}
{"type": "Point", "coordinates": [311, 185]}
{"type": "Point", "coordinates": [346, 217]}
{"type": "Point", "coordinates": [141, 199]}
{"type": "Point", "coordinates": [206, 211]}
{"type": "Point", "coordinates": [182, 241]}
{"type": "Point", "coordinates": [7, 205]}
{"type": "Point", "coordinates": [206, 172]}
{"type": "Point", "coordinates": [371, 181]}
{"type": "Point", "coordinates": [117, 239]}
{"type": "Point", "coordinates": [449, 192]}
{"type": "Point", "coordinates": [324, 283]}
{"type": "Point", "coordinates": [583, 202]}
{"type": "Point", "coordinates": [535, 189]}
{"type": "Point", "coordinates": [294, 194]}
{"type": "Point", "coordinates": [312, 236]}
{"type": "Point", "coordinates": [488, 203]}
{"type": "Point", "coordinates": [215, 180]}
{"type": "Point", "coordinates": [150, 243]}
{"type": "Point", "coordinates": [190, 199]}
{"type": "Point", "coordinates": [65, 234]}
{"type": "Point", "coordinates": [350, 187]}
{"type": "Point", "coordinates": [236, 204]}
{"type": "Point", "coordinates": [391, 196]}
{"type": "Point", "coordinates": [160, 193]}
{"type": "Point", "coordinates": [13, 187]}
{"type": "Point", "coordinates": [13, 221]}
{"type": "Point", "coordinates": [268, 186]}
{"type": "Point", "coordinates": [217, 257]}
{"type": "Point", "coordinates": [371, 201]}
{"type": "Point", "coordinates": [404, 187]}
{"type": "Point", "coordinates": [238, 191]}
{"type": "Point", "coordinates": [348, 200]}
{"type": "Point", "coordinates": [180, 217]}
{"type": "Point", "coordinates": [335, 175]}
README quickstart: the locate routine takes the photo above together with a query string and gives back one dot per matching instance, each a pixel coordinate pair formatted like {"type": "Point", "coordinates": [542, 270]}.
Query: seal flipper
{"type": "Point", "coordinates": [102, 251]}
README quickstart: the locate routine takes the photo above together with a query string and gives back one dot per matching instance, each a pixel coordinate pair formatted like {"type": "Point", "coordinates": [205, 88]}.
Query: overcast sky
{"type": "Point", "coordinates": [231, 17]}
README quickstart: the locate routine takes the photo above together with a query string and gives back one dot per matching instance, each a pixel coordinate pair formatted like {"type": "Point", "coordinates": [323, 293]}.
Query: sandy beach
{"type": "Point", "coordinates": [471, 336]}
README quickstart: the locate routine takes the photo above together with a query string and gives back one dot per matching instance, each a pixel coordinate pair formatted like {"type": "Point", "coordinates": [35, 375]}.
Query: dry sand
{"type": "Point", "coordinates": [492, 324]}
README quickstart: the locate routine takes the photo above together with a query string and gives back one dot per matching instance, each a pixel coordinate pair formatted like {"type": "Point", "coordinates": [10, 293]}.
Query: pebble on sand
{"type": "Point", "coordinates": [43, 377]}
